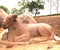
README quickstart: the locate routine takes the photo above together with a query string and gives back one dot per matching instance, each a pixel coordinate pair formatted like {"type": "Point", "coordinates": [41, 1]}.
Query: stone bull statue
{"type": "Point", "coordinates": [20, 31]}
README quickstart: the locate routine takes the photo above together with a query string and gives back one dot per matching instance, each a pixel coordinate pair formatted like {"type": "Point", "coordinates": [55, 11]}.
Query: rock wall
{"type": "Point", "coordinates": [54, 21]}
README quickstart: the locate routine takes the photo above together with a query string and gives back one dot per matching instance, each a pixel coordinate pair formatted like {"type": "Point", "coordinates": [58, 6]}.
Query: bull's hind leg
{"type": "Point", "coordinates": [50, 30]}
{"type": "Point", "coordinates": [42, 32]}
{"type": "Point", "coordinates": [46, 31]}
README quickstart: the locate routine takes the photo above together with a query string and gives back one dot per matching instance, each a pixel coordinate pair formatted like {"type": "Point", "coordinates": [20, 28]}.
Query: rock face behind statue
{"type": "Point", "coordinates": [19, 30]}
{"type": "Point", "coordinates": [28, 17]}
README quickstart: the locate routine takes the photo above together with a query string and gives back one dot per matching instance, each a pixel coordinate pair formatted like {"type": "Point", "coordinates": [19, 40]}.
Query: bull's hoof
{"type": "Point", "coordinates": [9, 46]}
{"type": "Point", "coordinates": [49, 47]}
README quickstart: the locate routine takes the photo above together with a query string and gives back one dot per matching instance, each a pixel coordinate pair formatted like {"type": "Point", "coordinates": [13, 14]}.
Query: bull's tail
{"type": "Point", "coordinates": [13, 43]}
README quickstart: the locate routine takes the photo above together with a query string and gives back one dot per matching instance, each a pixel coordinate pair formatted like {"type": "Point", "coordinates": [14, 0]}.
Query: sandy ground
{"type": "Point", "coordinates": [47, 45]}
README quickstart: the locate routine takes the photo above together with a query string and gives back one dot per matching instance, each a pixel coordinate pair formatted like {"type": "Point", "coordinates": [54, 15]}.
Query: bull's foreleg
{"type": "Point", "coordinates": [23, 37]}
{"type": "Point", "coordinates": [43, 32]}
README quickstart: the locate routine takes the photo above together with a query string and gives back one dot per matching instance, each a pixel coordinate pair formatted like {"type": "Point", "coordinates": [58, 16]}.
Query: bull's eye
{"type": "Point", "coordinates": [15, 20]}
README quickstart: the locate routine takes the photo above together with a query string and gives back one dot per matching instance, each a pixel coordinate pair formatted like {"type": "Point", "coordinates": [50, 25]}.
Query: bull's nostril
{"type": "Point", "coordinates": [4, 27]}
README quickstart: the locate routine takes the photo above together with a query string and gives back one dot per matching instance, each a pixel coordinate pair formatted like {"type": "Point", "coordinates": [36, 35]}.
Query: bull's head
{"type": "Point", "coordinates": [9, 21]}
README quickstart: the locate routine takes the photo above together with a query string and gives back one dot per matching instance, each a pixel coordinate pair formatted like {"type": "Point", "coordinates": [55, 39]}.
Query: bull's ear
{"type": "Point", "coordinates": [14, 16]}
{"type": "Point", "coordinates": [25, 21]}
